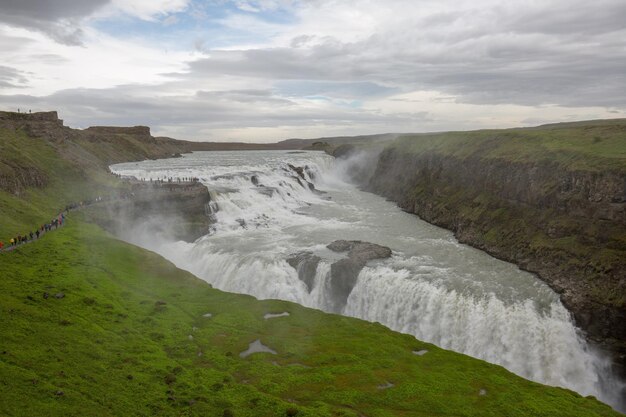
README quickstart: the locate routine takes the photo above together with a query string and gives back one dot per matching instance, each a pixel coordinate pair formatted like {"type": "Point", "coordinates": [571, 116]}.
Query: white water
{"type": "Point", "coordinates": [432, 287]}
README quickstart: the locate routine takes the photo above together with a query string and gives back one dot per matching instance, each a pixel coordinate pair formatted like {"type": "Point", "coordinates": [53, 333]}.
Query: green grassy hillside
{"type": "Point", "coordinates": [92, 326]}
{"type": "Point", "coordinates": [595, 145]}
{"type": "Point", "coordinates": [39, 182]}
{"type": "Point", "coordinates": [40, 175]}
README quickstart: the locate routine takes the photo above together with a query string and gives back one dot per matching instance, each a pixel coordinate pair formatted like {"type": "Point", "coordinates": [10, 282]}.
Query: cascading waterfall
{"type": "Point", "coordinates": [542, 346]}
{"type": "Point", "coordinates": [268, 206]}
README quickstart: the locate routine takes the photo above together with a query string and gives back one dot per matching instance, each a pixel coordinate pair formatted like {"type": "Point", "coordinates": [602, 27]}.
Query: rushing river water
{"type": "Point", "coordinates": [432, 287]}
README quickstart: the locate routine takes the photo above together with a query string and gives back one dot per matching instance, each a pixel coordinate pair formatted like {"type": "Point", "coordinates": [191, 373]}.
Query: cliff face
{"type": "Point", "coordinates": [564, 221]}
{"type": "Point", "coordinates": [179, 211]}
{"type": "Point", "coordinates": [34, 124]}
{"type": "Point", "coordinates": [45, 116]}
{"type": "Point", "coordinates": [14, 178]}
{"type": "Point", "coordinates": [584, 194]}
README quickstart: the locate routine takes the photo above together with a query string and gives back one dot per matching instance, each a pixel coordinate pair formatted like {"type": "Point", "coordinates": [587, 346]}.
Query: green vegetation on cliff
{"type": "Point", "coordinates": [551, 199]}
{"type": "Point", "coordinates": [596, 145]}
{"type": "Point", "coordinates": [35, 182]}
{"type": "Point", "coordinates": [92, 326]}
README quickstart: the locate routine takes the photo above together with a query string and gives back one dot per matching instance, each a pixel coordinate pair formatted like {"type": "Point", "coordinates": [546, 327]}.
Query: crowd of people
{"type": "Point", "coordinates": [53, 224]}
{"type": "Point", "coordinates": [22, 239]}
{"type": "Point", "coordinates": [58, 221]}
{"type": "Point", "coordinates": [166, 183]}
{"type": "Point", "coordinates": [170, 180]}
{"type": "Point", "coordinates": [160, 180]}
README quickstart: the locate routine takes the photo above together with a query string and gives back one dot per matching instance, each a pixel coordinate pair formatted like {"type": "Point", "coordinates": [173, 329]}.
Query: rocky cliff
{"type": "Point", "coordinates": [178, 211]}
{"type": "Point", "coordinates": [92, 148]}
{"type": "Point", "coordinates": [34, 124]}
{"type": "Point", "coordinates": [551, 201]}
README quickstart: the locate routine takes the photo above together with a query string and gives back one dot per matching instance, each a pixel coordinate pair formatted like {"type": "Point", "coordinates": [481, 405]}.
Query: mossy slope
{"type": "Point", "coordinates": [44, 178]}
{"type": "Point", "coordinates": [598, 145]}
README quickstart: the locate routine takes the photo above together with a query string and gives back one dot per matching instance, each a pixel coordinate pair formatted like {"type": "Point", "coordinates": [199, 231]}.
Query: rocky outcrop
{"type": "Point", "coordinates": [34, 124]}
{"type": "Point", "coordinates": [297, 170]}
{"type": "Point", "coordinates": [46, 116]}
{"type": "Point", "coordinates": [343, 273]}
{"type": "Point", "coordinates": [359, 251]}
{"type": "Point", "coordinates": [567, 225]}
{"type": "Point", "coordinates": [306, 265]}
{"type": "Point", "coordinates": [98, 145]}
{"type": "Point", "coordinates": [301, 178]}
{"type": "Point", "coordinates": [178, 210]}
{"type": "Point", "coordinates": [15, 178]}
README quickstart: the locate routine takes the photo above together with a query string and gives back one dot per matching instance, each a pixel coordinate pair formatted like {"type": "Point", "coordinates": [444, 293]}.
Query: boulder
{"type": "Point", "coordinates": [345, 272]}
{"type": "Point", "coordinates": [306, 265]}
{"type": "Point", "coordinates": [297, 170]}
{"type": "Point", "coordinates": [340, 245]}
{"type": "Point", "coordinates": [364, 251]}
{"type": "Point", "coordinates": [343, 277]}
{"type": "Point", "coordinates": [268, 191]}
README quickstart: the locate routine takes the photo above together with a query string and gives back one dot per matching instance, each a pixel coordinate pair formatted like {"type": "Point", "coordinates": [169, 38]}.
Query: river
{"type": "Point", "coordinates": [432, 287]}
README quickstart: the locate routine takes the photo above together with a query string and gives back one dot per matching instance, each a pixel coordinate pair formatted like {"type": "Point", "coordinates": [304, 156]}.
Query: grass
{"type": "Point", "coordinates": [597, 146]}
{"type": "Point", "coordinates": [119, 343]}
{"type": "Point", "coordinates": [64, 182]}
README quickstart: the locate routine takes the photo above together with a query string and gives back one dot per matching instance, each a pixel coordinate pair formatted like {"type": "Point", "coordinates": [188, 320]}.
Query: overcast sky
{"type": "Point", "coordinates": [265, 70]}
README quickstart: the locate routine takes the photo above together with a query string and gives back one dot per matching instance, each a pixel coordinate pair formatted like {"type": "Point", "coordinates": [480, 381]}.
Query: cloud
{"type": "Point", "coordinates": [344, 90]}
{"type": "Point", "coordinates": [575, 17]}
{"type": "Point", "coordinates": [11, 78]}
{"type": "Point", "coordinates": [256, 6]}
{"type": "Point", "coordinates": [170, 20]}
{"type": "Point", "coordinates": [230, 68]}
{"type": "Point", "coordinates": [558, 52]}
{"type": "Point", "coordinates": [150, 9]}
{"type": "Point", "coordinates": [63, 20]}
{"type": "Point", "coordinates": [265, 116]}
{"type": "Point", "coordinates": [51, 10]}
{"type": "Point", "coordinates": [59, 19]}
{"type": "Point", "coordinates": [247, 6]}
{"type": "Point", "coordinates": [201, 116]}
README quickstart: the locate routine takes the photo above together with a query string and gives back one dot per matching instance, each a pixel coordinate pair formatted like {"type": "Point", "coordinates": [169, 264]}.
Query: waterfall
{"type": "Point", "coordinates": [268, 206]}
{"type": "Point", "coordinates": [541, 346]}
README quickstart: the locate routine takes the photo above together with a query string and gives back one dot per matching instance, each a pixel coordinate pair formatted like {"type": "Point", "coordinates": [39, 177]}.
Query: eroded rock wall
{"type": "Point", "coordinates": [179, 211]}
{"type": "Point", "coordinates": [567, 226]}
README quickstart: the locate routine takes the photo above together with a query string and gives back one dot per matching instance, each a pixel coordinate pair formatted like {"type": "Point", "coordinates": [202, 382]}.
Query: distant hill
{"type": "Point", "coordinates": [288, 144]}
